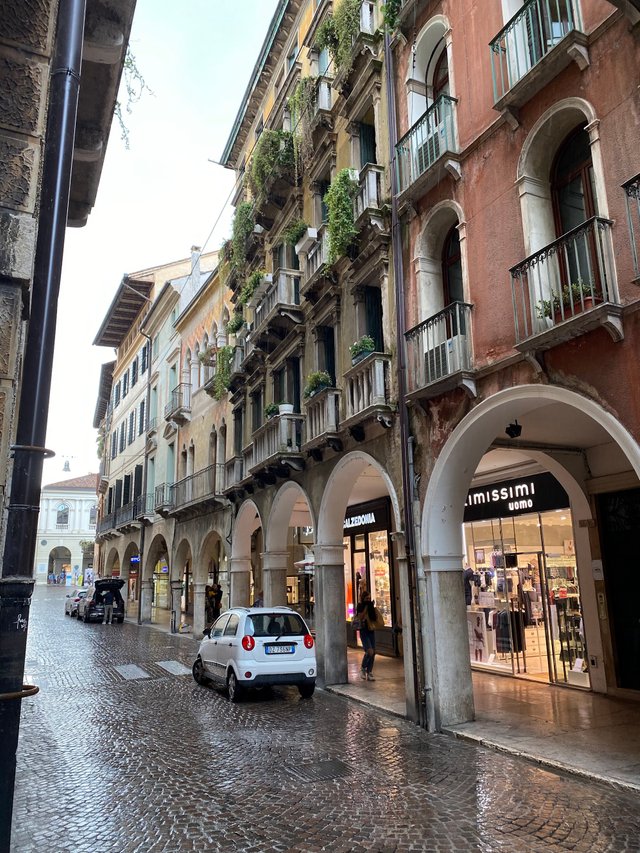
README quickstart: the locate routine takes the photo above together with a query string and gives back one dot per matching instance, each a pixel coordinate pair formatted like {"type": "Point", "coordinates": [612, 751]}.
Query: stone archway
{"type": "Point", "coordinates": [112, 564]}
{"type": "Point", "coordinates": [247, 522]}
{"type": "Point", "coordinates": [329, 560]}
{"type": "Point", "coordinates": [130, 570]}
{"type": "Point", "coordinates": [59, 562]}
{"type": "Point", "coordinates": [444, 615]}
{"type": "Point", "coordinates": [211, 565]}
{"type": "Point", "coordinates": [156, 552]}
{"type": "Point", "coordinates": [291, 504]}
{"type": "Point", "coordinates": [182, 582]}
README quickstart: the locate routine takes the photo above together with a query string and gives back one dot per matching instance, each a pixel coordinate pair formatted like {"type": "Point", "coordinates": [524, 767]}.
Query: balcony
{"type": "Point", "coordinates": [365, 41]}
{"type": "Point", "coordinates": [126, 516]}
{"type": "Point", "coordinates": [439, 354]}
{"type": "Point", "coordinates": [106, 526]}
{"type": "Point", "coordinates": [163, 500]}
{"type": "Point", "coordinates": [314, 260]}
{"type": "Point", "coordinates": [277, 445]}
{"type": "Point", "coordinates": [431, 141]}
{"type": "Point", "coordinates": [178, 409]}
{"type": "Point", "coordinates": [152, 425]}
{"type": "Point", "coordinates": [367, 205]}
{"type": "Point", "coordinates": [279, 309]}
{"type": "Point", "coordinates": [539, 42]}
{"type": "Point", "coordinates": [322, 419]}
{"type": "Point", "coordinates": [234, 473]}
{"type": "Point", "coordinates": [144, 506]}
{"type": "Point", "coordinates": [632, 192]}
{"type": "Point", "coordinates": [366, 392]}
{"type": "Point", "coordinates": [200, 490]}
{"type": "Point", "coordinates": [566, 289]}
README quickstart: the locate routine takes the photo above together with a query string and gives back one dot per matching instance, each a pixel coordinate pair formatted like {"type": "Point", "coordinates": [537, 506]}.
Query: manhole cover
{"type": "Point", "coordinates": [320, 771]}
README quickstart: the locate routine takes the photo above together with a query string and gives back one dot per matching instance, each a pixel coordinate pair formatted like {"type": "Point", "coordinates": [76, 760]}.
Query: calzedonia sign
{"type": "Point", "coordinates": [360, 520]}
{"type": "Point", "coordinates": [537, 493]}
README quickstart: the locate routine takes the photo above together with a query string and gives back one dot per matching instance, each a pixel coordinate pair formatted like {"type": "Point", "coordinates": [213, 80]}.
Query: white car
{"type": "Point", "coordinates": [257, 647]}
{"type": "Point", "coordinates": [73, 600]}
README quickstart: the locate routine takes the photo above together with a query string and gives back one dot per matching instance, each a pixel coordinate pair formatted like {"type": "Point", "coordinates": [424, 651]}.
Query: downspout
{"type": "Point", "coordinates": [144, 479]}
{"type": "Point", "coordinates": [405, 434]}
{"type": "Point", "coordinates": [16, 585]}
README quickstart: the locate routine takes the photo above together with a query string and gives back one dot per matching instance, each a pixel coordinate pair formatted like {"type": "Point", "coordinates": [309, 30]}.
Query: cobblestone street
{"type": "Point", "coordinates": [120, 759]}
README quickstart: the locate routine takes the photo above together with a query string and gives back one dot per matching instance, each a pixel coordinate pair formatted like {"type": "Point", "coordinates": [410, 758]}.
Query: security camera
{"type": "Point", "coordinates": [514, 430]}
{"type": "Point", "coordinates": [385, 421]}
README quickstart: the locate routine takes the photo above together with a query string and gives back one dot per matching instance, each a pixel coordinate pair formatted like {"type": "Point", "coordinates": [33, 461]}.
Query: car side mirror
{"type": "Point", "coordinates": [206, 632]}
{"type": "Point", "coordinates": [68, 596]}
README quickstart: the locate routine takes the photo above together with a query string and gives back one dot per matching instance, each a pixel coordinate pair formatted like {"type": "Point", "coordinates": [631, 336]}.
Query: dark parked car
{"type": "Point", "coordinates": [91, 608]}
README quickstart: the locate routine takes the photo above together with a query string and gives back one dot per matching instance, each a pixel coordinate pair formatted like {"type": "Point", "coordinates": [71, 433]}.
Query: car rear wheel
{"type": "Point", "coordinates": [197, 670]}
{"type": "Point", "coordinates": [85, 617]}
{"type": "Point", "coordinates": [306, 690]}
{"type": "Point", "coordinates": [233, 688]}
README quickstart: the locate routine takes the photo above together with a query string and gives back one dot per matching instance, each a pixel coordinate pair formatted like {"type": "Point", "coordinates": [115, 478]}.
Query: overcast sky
{"type": "Point", "coordinates": [158, 198]}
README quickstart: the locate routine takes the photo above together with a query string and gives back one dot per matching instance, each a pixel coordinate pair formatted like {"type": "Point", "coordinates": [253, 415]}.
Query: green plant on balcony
{"type": "Point", "coordinates": [271, 410]}
{"type": "Point", "coordinates": [222, 379]}
{"type": "Point", "coordinates": [295, 232]}
{"type": "Point", "coordinates": [273, 156]}
{"type": "Point", "coordinates": [243, 224]}
{"type": "Point", "coordinates": [317, 381]}
{"type": "Point", "coordinates": [362, 346]}
{"type": "Point", "coordinates": [390, 12]}
{"type": "Point", "coordinates": [207, 356]}
{"type": "Point", "coordinates": [250, 286]}
{"type": "Point", "coordinates": [236, 322]}
{"type": "Point", "coordinates": [87, 545]}
{"type": "Point", "coordinates": [338, 32]}
{"type": "Point", "coordinates": [339, 200]}
{"type": "Point", "coordinates": [572, 298]}
{"type": "Point", "coordinates": [302, 105]}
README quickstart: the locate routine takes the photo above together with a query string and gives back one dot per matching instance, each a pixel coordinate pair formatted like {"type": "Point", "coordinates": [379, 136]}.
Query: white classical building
{"type": "Point", "coordinates": [67, 519]}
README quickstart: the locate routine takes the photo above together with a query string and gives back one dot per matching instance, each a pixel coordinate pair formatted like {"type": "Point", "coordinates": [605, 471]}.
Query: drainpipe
{"type": "Point", "coordinates": [16, 585]}
{"type": "Point", "coordinates": [405, 433]}
{"type": "Point", "coordinates": [145, 480]}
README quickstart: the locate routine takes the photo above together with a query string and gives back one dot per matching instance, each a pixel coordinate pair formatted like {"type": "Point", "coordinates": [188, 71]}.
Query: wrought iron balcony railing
{"type": "Point", "coordinates": [163, 497]}
{"type": "Point", "coordinates": [179, 401]}
{"type": "Point", "coordinates": [125, 514]}
{"type": "Point", "coordinates": [527, 38]}
{"type": "Point", "coordinates": [425, 142]}
{"type": "Point", "coordinates": [144, 505]}
{"type": "Point", "coordinates": [199, 486]}
{"type": "Point", "coordinates": [632, 193]}
{"type": "Point", "coordinates": [564, 279]}
{"type": "Point", "coordinates": [439, 346]}
{"type": "Point", "coordinates": [107, 522]}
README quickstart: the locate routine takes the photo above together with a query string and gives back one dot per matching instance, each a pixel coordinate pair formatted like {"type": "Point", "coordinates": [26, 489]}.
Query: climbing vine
{"type": "Point", "coordinates": [243, 224]}
{"type": "Point", "coordinates": [339, 201]}
{"type": "Point", "coordinates": [222, 378]}
{"type": "Point", "coordinates": [302, 105]}
{"type": "Point", "coordinates": [273, 156]}
{"type": "Point", "coordinates": [390, 12]}
{"type": "Point", "coordinates": [135, 87]}
{"type": "Point", "coordinates": [250, 286]}
{"type": "Point", "coordinates": [235, 323]}
{"type": "Point", "coordinates": [295, 231]}
{"type": "Point", "coordinates": [338, 32]}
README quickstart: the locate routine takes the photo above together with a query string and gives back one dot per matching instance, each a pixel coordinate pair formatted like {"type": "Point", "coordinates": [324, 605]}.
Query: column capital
{"type": "Point", "coordinates": [239, 564]}
{"type": "Point", "coordinates": [451, 563]}
{"type": "Point", "coordinates": [329, 555]}
{"type": "Point", "coordinates": [274, 560]}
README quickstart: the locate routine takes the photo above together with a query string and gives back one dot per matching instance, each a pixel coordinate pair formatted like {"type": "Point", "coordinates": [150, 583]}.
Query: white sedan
{"type": "Point", "coordinates": [257, 647]}
{"type": "Point", "coordinates": [72, 601]}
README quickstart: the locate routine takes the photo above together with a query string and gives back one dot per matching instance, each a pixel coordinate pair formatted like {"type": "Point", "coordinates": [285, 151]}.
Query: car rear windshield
{"type": "Point", "coordinates": [275, 625]}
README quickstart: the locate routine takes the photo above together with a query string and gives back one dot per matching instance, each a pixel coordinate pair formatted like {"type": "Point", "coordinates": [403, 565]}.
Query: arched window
{"type": "Point", "coordinates": [92, 515]}
{"type": "Point", "coordinates": [453, 289]}
{"type": "Point", "coordinates": [438, 71]}
{"type": "Point", "coordinates": [62, 515]}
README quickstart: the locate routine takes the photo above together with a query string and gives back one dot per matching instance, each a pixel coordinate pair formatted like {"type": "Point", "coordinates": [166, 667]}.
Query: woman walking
{"type": "Point", "coordinates": [369, 617]}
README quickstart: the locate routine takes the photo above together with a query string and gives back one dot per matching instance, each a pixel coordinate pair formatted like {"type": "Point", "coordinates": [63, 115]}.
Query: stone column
{"type": "Point", "coordinates": [331, 627]}
{"type": "Point", "coordinates": [145, 592]}
{"type": "Point", "coordinates": [176, 592]}
{"type": "Point", "coordinates": [408, 651]}
{"type": "Point", "coordinates": [198, 609]}
{"type": "Point", "coordinates": [274, 578]}
{"type": "Point", "coordinates": [444, 631]}
{"type": "Point", "coordinates": [240, 584]}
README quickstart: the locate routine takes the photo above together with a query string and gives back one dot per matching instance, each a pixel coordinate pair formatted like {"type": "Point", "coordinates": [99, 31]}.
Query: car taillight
{"type": "Point", "coordinates": [308, 641]}
{"type": "Point", "coordinates": [248, 643]}
{"type": "Point", "coordinates": [76, 599]}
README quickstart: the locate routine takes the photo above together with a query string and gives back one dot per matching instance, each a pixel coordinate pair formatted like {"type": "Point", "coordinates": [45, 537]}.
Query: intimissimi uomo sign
{"type": "Point", "coordinates": [537, 493]}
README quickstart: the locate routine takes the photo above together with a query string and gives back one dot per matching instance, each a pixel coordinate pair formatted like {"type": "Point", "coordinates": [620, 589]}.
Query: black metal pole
{"type": "Point", "coordinates": [16, 583]}
{"type": "Point", "coordinates": [405, 433]}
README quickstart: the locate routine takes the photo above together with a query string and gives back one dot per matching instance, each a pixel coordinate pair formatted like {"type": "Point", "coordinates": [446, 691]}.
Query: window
{"type": "Point", "coordinates": [93, 512]}
{"type": "Point", "coordinates": [279, 394]}
{"type": "Point", "coordinates": [134, 372]}
{"type": "Point", "coordinates": [116, 395]}
{"type": "Point", "coordinates": [256, 410]}
{"type": "Point", "coordinates": [452, 268]}
{"type": "Point", "coordinates": [125, 384]}
{"type": "Point", "coordinates": [231, 628]}
{"type": "Point", "coordinates": [62, 515]}
{"type": "Point", "coordinates": [132, 427]}
{"type": "Point", "coordinates": [121, 444]}
{"type": "Point", "coordinates": [114, 444]}
{"type": "Point", "coordinates": [291, 56]}
{"type": "Point", "coordinates": [323, 61]}
{"type": "Point", "coordinates": [155, 347]}
{"type": "Point", "coordinates": [141, 419]}
{"type": "Point", "coordinates": [326, 350]}
{"type": "Point", "coordinates": [237, 432]}
{"type": "Point", "coordinates": [373, 315]}
{"type": "Point", "coordinates": [259, 128]}
{"type": "Point", "coordinates": [144, 358]}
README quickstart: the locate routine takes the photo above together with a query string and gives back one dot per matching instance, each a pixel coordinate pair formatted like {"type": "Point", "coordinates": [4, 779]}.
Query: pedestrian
{"type": "Point", "coordinates": [370, 618]}
{"type": "Point", "coordinates": [217, 600]}
{"type": "Point", "coordinates": [259, 600]}
{"type": "Point", "coordinates": [107, 600]}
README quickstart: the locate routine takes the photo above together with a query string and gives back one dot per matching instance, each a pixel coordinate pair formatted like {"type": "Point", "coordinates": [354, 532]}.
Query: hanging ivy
{"type": "Point", "coordinates": [390, 12]}
{"type": "Point", "coordinates": [339, 200]}
{"type": "Point", "coordinates": [273, 156]}
{"type": "Point", "coordinates": [235, 323]}
{"type": "Point", "coordinates": [250, 286]}
{"type": "Point", "coordinates": [302, 107]}
{"type": "Point", "coordinates": [338, 32]}
{"type": "Point", "coordinates": [294, 232]}
{"type": "Point", "coordinates": [222, 379]}
{"type": "Point", "coordinates": [243, 224]}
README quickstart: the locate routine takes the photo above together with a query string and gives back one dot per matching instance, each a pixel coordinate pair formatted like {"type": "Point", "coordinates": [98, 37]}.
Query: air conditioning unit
{"type": "Point", "coordinates": [430, 150]}
{"type": "Point", "coordinates": [445, 358]}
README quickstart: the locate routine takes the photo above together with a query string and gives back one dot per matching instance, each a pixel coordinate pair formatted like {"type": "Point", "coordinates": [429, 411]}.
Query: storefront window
{"type": "Point", "coordinates": [380, 574]}
{"type": "Point", "coordinates": [350, 607]}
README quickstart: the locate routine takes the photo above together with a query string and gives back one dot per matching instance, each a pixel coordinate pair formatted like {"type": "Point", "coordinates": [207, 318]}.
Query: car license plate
{"type": "Point", "coordinates": [279, 650]}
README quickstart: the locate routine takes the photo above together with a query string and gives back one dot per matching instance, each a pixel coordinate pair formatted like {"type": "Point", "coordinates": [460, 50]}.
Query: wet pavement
{"type": "Point", "coordinates": [122, 751]}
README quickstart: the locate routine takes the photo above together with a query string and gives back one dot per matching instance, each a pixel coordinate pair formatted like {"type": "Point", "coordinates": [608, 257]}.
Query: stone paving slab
{"type": "Point", "coordinates": [162, 764]}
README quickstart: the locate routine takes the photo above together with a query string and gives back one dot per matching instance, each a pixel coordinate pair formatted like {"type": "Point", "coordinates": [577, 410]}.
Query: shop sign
{"type": "Point", "coordinates": [360, 520]}
{"type": "Point", "coordinates": [537, 493]}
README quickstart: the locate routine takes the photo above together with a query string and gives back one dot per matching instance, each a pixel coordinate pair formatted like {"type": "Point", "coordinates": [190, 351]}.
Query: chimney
{"type": "Point", "coordinates": [195, 266]}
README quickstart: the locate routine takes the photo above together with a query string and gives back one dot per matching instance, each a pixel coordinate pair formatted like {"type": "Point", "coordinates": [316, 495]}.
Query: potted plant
{"type": "Point", "coordinates": [271, 410]}
{"type": "Point", "coordinates": [573, 299]}
{"type": "Point", "coordinates": [317, 381]}
{"type": "Point", "coordinates": [361, 348]}
{"type": "Point", "coordinates": [207, 356]}
{"type": "Point", "coordinates": [285, 408]}
{"type": "Point", "coordinates": [235, 323]}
